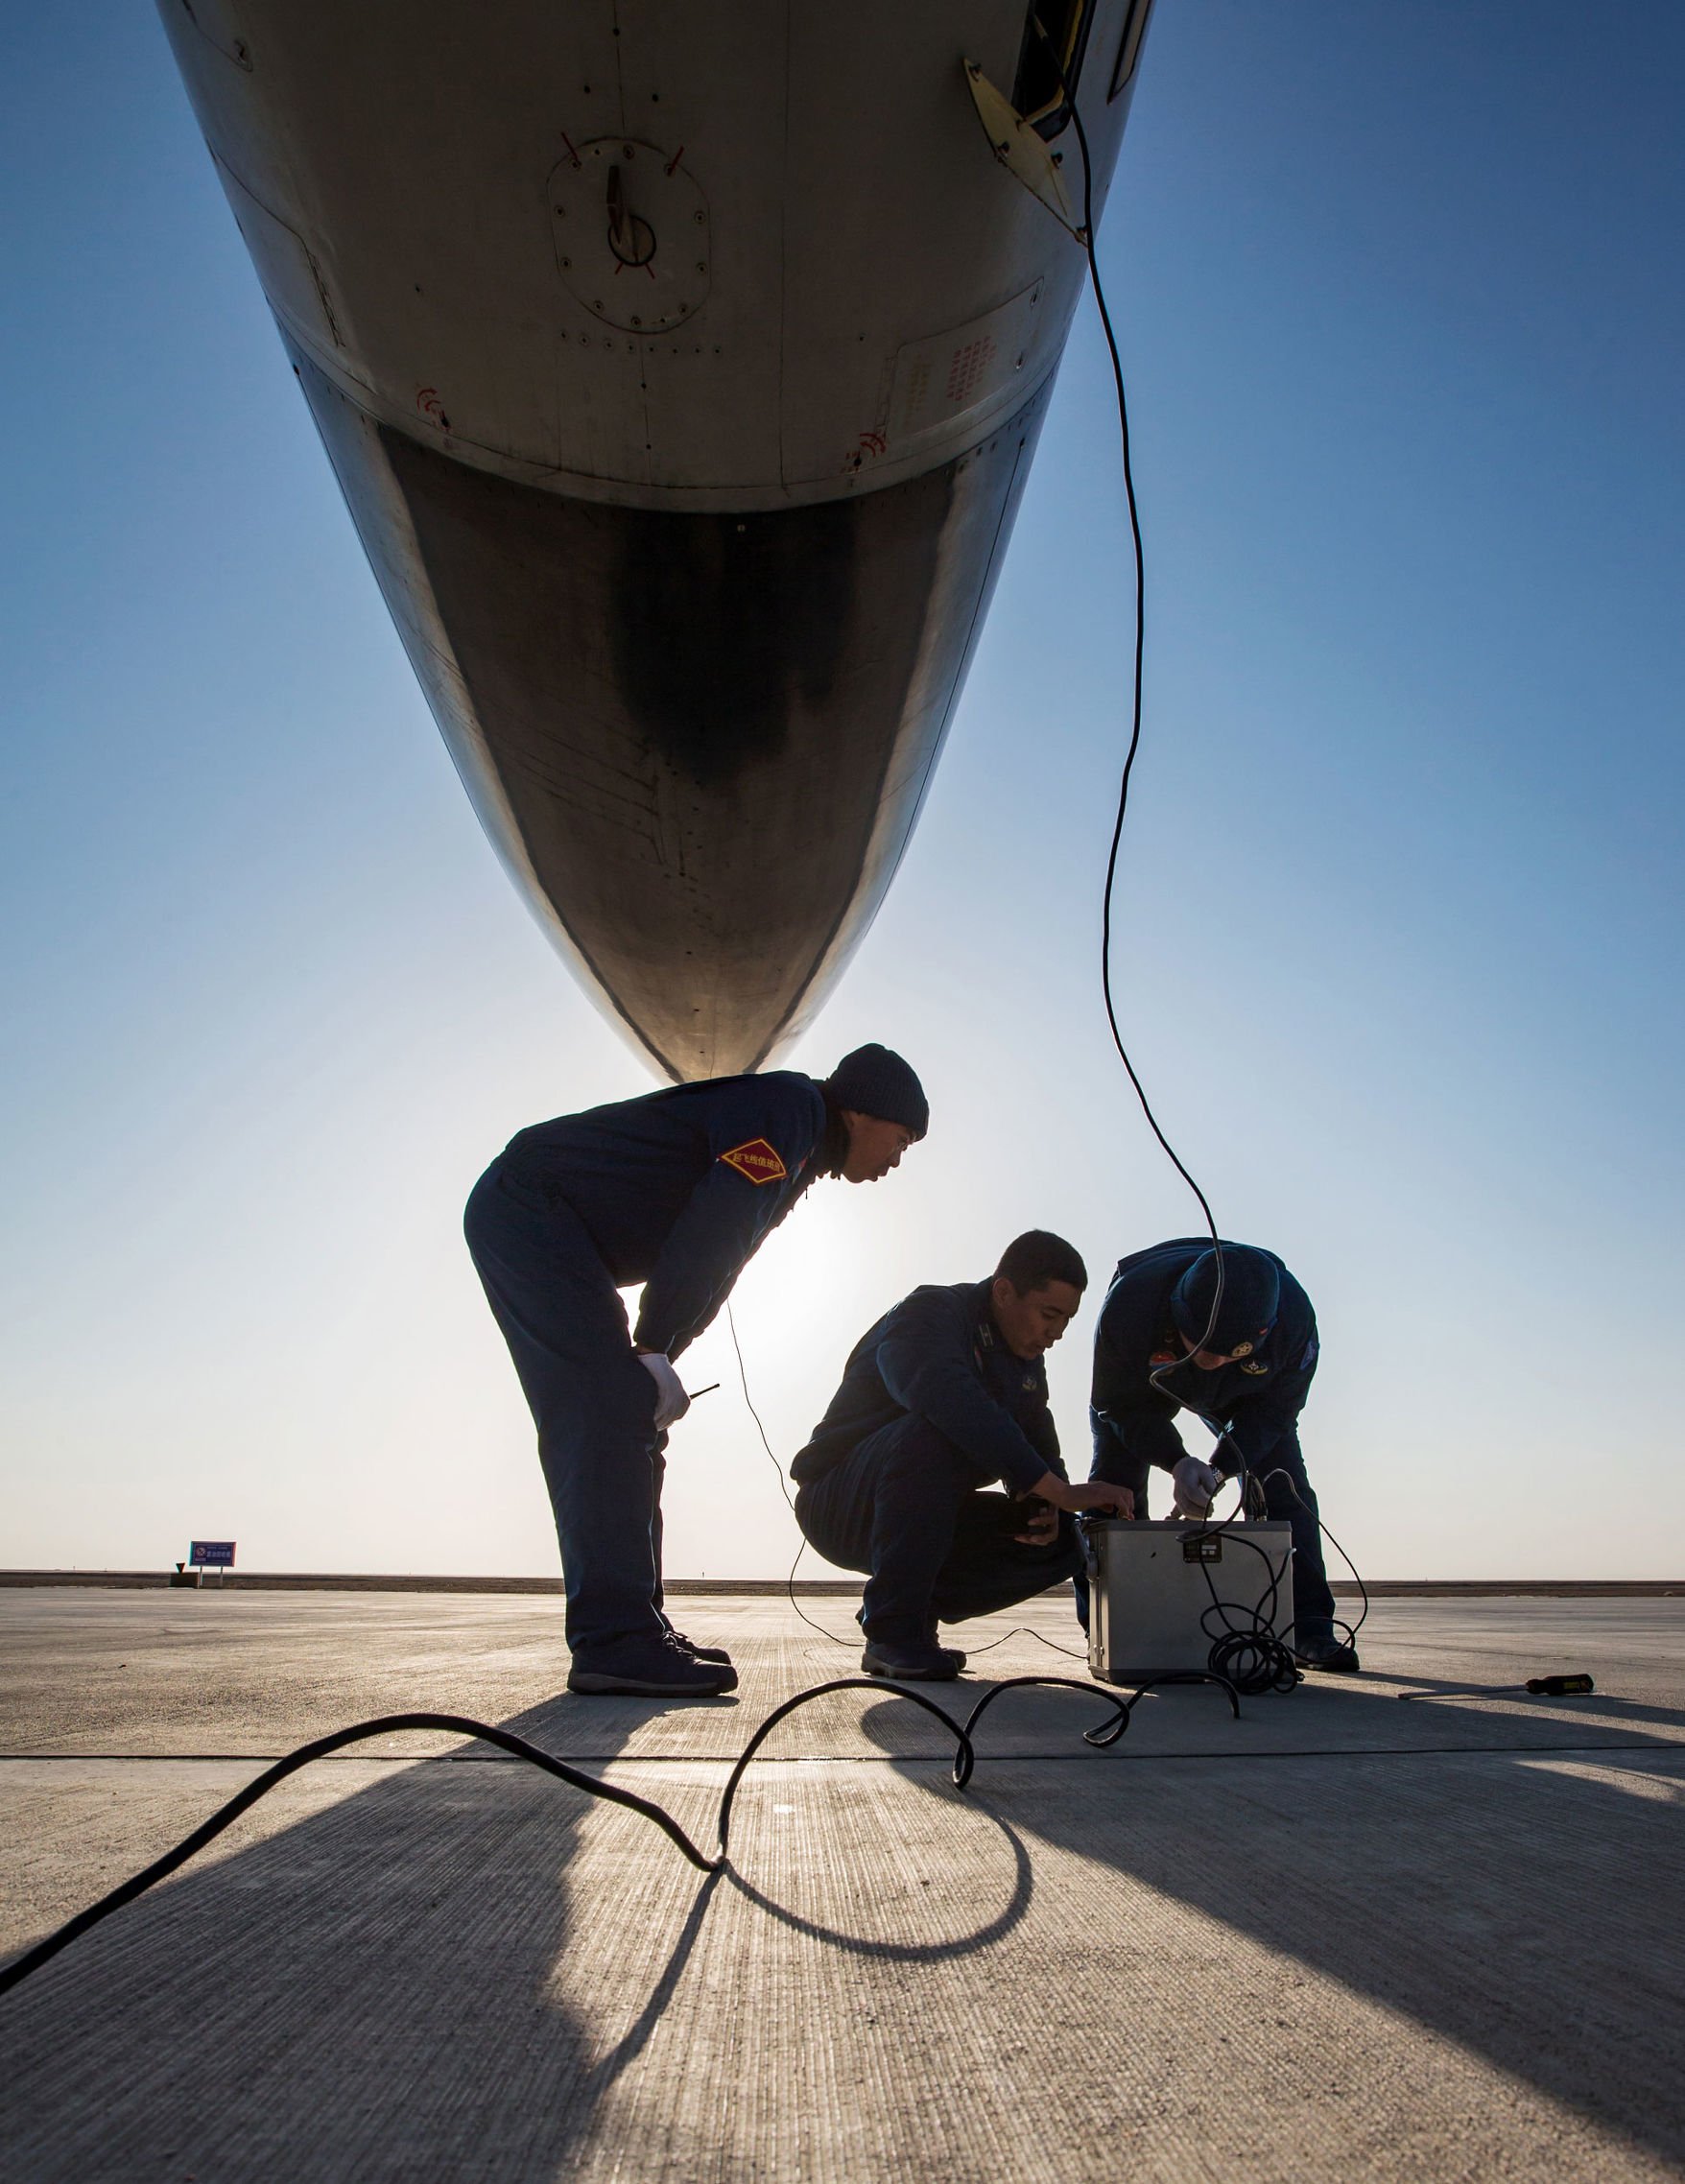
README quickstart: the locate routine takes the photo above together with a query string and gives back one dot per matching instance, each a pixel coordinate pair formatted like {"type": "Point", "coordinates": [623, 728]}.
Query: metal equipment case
{"type": "Point", "coordinates": [1148, 1590]}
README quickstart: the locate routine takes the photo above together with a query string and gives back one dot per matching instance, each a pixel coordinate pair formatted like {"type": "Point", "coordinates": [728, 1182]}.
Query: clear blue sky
{"type": "Point", "coordinates": [1399, 296]}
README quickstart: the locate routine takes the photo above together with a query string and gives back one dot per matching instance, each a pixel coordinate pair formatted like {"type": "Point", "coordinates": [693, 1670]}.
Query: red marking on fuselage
{"type": "Point", "coordinates": [673, 161]}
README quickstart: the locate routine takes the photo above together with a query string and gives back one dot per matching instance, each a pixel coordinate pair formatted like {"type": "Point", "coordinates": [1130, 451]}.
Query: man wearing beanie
{"type": "Point", "coordinates": [675, 1191]}
{"type": "Point", "coordinates": [946, 1393]}
{"type": "Point", "coordinates": [1158, 1349]}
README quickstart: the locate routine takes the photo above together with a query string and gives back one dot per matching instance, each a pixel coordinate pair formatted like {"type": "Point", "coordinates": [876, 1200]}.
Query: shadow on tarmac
{"type": "Point", "coordinates": [1614, 1712]}
{"type": "Point", "coordinates": [370, 1993]}
{"type": "Point", "coordinates": [378, 1990]}
{"type": "Point", "coordinates": [1527, 1905]}
{"type": "Point", "coordinates": [982, 1937]}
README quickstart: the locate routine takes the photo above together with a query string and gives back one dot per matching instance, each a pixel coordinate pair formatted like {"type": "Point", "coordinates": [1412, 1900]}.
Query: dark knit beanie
{"type": "Point", "coordinates": [872, 1081]}
{"type": "Point", "coordinates": [1252, 1296]}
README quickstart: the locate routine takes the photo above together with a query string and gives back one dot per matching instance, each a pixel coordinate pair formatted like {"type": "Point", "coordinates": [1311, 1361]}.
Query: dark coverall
{"type": "Point", "coordinates": [1259, 1397]}
{"type": "Point", "coordinates": [933, 1406]}
{"type": "Point", "coordinates": [675, 1190]}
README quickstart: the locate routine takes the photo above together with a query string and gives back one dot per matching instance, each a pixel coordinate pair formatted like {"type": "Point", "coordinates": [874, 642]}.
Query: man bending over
{"type": "Point", "coordinates": [946, 1394]}
{"type": "Point", "coordinates": [1166, 1343]}
{"type": "Point", "coordinates": [677, 1191]}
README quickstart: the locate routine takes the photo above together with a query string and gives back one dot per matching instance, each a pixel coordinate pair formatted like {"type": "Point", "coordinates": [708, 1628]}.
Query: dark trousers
{"type": "Point", "coordinates": [1291, 1497]}
{"type": "Point", "coordinates": [594, 1406]}
{"type": "Point", "coordinates": [905, 1505]}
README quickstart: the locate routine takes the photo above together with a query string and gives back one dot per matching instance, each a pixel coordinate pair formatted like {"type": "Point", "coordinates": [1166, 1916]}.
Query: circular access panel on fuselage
{"type": "Point", "coordinates": [631, 234]}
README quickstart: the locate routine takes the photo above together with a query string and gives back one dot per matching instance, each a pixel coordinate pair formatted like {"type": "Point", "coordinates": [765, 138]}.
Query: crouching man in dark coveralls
{"type": "Point", "coordinates": [1156, 1352]}
{"type": "Point", "coordinates": [676, 1191]}
{"type": "Point", "coordinates": [946, 1393]}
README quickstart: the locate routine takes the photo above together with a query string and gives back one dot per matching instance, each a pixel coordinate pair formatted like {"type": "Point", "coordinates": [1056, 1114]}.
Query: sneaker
{"type": "Point", "coordinates": [657, 1669]}
{"type": "Point", "coordinates": [1327, 1654]}
{"type": "Point", "coordinates": [952, 1653]}
{"type": "Point", "coordinates": [696, 1653]}
{"type": "Point", "coordinates": [911, 1664]}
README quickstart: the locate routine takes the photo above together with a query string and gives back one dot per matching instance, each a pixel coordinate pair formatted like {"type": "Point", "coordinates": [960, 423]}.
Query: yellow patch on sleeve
{"type": "Point", "coordinates": [758, 1160]}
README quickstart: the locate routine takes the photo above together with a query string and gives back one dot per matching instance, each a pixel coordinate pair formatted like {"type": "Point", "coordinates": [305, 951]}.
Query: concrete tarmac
{"type": "Point", "coordinates": [1342, 1937]}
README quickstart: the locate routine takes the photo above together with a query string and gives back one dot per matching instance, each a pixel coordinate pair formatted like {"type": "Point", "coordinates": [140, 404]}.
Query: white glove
{"type": "Point", "coordinates": [1194, 1484]}
{"type": "Point", "coordinates": [671, 1400]}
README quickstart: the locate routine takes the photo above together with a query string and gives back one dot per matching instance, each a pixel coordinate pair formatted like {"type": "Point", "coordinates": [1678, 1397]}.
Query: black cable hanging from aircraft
{"type": "Point", "coordinates": [1249, 1648]}
{"type": "Point", "coordinates": [1086, 238]}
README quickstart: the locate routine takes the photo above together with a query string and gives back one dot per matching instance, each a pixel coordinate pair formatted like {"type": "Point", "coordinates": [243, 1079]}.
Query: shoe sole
{"type": "Point", "coordinates": [599, 1685]}
{"type": "Point", "coordinates": [1327, 1668]}
{"type": "Point", "coordinates": [913, 1675]}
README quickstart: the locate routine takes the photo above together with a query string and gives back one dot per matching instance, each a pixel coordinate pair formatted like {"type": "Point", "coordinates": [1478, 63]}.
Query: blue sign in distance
{"type": "Point", "coordinates": [210, 1555]}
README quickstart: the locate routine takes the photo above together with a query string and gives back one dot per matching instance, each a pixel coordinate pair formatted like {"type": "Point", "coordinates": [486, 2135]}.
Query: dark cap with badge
{"type": "Point", "coordinates": [1252, 1296]}
{"type": "Point", "coordinates": [872, 1081]}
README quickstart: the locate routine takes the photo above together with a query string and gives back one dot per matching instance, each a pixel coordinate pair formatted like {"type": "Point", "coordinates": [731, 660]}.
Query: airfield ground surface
{"type": "Point", "coordinates": [1341, 1939]}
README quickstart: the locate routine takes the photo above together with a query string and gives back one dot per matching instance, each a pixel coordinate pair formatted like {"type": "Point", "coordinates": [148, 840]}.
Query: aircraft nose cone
{"type": "Point", "coordinates": [698, 741]}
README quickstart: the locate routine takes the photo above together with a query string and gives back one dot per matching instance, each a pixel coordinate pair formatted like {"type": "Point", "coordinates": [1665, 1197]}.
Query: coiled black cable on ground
{"type": "Point", "coordinates": [1244, 1647]}
{"type": "Point", "coordinates": [505, 1739]}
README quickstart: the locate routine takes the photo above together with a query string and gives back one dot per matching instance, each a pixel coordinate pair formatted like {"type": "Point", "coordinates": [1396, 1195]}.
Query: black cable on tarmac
{"type": "Point", "coordinates": [517, 1747]}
